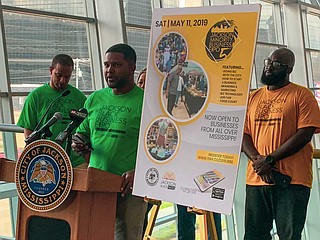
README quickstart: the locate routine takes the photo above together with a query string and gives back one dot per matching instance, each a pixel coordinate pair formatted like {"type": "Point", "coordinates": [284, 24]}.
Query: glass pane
{"type": "Point", "coordinates": [312, 2]}
{"type": "Point", "coordinates": [5, 219]}
{"type": "Point", "coordinates": [262, 52]}
{"type": "Point", "coordinates": [165, 230]}
{"type": "Point", "coordinates": [183, 3]}
{"type": "Point", "coordinates": [17, 107]}
{"type": "Point", "coordinates": [317, 93]}
{"type": "Point", "coordinates": [267, 25]}
{"type": "Point", "coordinates": [220, 2]}
{"type": "Point", "coordinates": [313, 25]}
{"type": "Point", "coordinates": [169, 3]}
{"type": "Point", "coordinates": [191, 3]}
{"type": "Point", "coordinates": [2, 155]}
{"type": "Point", "coordinates": [138, 12]}
{"type": "Point", "coordinates": [139, 40]}
{"type": "Point", "coordinates": [71, 7]}
{"type": "Point", "coordinates": [315, 59]}
{"type": "Point", "coordinates": [33, 41]}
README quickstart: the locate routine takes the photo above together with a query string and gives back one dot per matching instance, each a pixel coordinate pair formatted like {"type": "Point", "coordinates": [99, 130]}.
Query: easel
{"type": "Point", "coordinates": [206, 221]}
{"type": "Point", "coordinates": [153, 217]}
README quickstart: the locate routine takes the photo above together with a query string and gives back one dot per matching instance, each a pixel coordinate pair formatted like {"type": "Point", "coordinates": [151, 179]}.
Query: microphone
{"type": "Point", "coordinates": [65, 93]}
{"type": "Point", "coordinates": [77, 118]}
{"type": "Point", "coordinates": [44, 129]}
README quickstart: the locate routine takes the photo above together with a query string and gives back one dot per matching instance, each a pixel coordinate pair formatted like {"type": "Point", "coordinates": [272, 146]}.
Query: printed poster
{"type": "Point", "coordinates": [199, 73]}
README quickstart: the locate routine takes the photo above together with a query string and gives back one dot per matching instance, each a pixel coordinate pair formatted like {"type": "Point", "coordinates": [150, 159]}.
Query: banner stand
{"type": "Point", "coordinates": [207, 223]}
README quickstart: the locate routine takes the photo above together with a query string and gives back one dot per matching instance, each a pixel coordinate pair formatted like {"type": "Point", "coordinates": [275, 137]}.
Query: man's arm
{"type": "Point", "coordinates": [294, 144]}
{"type": "Point", "coordinates": [27, 132]}
{"type": "Point", "coordinates": [262, 168]}
{"type": "Point", "coordinates": [248, 147]}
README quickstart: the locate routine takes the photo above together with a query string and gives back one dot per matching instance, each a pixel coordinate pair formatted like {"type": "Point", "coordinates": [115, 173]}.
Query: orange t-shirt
{"type": "Point", "coordinates": [272, 118]}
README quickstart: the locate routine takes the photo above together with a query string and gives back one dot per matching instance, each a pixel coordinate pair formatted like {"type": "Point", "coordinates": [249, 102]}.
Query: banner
{"type": "Point", "coordinates": [198, 77]}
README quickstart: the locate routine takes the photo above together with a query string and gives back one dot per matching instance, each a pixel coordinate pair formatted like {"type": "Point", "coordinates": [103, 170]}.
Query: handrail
{"type": "Point", "coordinates": [10, 128]}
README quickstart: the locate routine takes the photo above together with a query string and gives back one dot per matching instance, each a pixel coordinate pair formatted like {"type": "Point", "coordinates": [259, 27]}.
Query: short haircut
{"type": "Point", "coordinates": [128, 52]}
{"type": "Point", "coordinates": [62, 59]}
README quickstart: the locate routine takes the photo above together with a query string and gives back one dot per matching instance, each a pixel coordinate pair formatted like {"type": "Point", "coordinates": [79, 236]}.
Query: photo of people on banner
{"type": "Point", "coordinates": [170, 51]}
{"type": "Point", "coordinates": [162, 139]}
{"type": "Point", "coordinates": [185, 90]}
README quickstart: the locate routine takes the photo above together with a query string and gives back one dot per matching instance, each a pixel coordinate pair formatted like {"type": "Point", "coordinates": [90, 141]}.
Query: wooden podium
{"type": "Point", "coordinates": [89, 210]}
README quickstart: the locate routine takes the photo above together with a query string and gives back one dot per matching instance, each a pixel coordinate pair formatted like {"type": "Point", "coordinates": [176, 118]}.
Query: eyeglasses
{"type": "Point", "coordinates": [274, 64]}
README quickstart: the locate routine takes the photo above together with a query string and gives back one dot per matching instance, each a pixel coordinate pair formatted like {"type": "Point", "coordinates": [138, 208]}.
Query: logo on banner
{"type": "Point", "coordinates": [152, 176]}
{"type": "Point", "coordinates": [221, 39]}
{"type": "Point", "coordinates": [43, 175]}
{"type": "Point", "coordinates": [168, 181]}
{"type": "Point", "coordinates": [218, 193]}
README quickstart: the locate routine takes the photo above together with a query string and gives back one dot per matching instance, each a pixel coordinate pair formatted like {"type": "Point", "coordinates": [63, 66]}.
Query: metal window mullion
{"type": "Point", "coordinates": [13, 213]}
{"type": "Point", "coordinates": [123, 22]}
{"type": "Point", "coordinates": [278, 19]}
{"type": "Point", "coordinates": [45, 13]}
{"type": "Point", "coordinates": [9, 140]}
{"type": "Point", "coordinates": [94, 47]}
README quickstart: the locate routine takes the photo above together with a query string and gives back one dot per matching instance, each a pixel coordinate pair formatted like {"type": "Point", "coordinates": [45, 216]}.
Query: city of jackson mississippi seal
{"type": "Point", "coordinates": [43, 175]}
{"type": "Point", "coordinates": [222, 37]}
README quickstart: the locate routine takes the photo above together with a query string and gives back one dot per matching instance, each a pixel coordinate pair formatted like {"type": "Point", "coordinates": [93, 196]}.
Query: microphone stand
{"type": "Point", "coordinates": [68, 143]}
{"type": "Point", "coordinates": [38, 135]}
{"type": "Point", "coordinates": [65, 136]}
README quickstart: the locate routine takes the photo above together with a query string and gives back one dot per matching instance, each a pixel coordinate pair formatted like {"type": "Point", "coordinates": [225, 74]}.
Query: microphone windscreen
{"type": "Point", "coordinates": [83, 110]}
{"type": "Point", "coordinates": [65, 93]}
{"type": "Point", "coordinates": [58, 115]}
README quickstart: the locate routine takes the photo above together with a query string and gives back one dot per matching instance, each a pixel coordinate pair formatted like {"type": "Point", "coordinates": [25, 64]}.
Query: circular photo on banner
{"type": "Point", "coordinates": [162, 140]}
{"type": "Point", "coordinates": [170, 50]}
{"type": "Point", "coordinates": [185, 91]}
{"type": "Point", "coordinates": [43, 175]}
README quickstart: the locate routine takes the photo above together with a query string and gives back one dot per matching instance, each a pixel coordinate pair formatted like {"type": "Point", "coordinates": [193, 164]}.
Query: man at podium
{"type": "Point", "coordinates": [110, 134]}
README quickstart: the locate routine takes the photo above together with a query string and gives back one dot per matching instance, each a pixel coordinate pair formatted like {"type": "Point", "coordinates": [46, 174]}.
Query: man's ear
{"type": "Point", "coordinates": [132, 67]}
{"type": "Point", "coordinates": [289, 70]}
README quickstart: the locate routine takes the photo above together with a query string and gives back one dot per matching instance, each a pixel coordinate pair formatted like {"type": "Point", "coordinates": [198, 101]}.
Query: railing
{"type": "Point", "coordinates": [10, 128]}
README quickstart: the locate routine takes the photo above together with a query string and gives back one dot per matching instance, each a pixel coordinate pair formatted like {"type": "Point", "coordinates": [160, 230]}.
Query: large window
{"type": "Point", "coordinates": [138, 16]}
{"type": "Point", "coordinates": [313, 44]}
{"type": "Point", "coordinates": [270, 36]}
{"type": "Point", "coordinates": [32, 41]}
{"type": "Point", "coordinates": [71, 7]}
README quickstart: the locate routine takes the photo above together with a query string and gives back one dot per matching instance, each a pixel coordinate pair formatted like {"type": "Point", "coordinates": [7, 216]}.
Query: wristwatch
{"type": "Point", "coordinates": [269, 159]}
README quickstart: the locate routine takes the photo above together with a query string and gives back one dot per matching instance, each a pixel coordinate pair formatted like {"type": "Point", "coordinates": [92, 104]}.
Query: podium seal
{"type": "Point", "coordinates": [43, 175]}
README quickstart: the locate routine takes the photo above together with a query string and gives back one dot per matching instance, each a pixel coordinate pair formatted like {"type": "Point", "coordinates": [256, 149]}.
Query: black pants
{"type": "Point", "coordinates": [287, 206]}
{"type": "Point", "coordinates": [171, 102]}
{"type": "Point", "coordinates": [187, 221]}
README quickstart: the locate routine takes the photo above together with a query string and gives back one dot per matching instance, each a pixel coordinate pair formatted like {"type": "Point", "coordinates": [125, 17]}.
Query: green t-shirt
{"type": "Point", "coordinates": [36, 104]}
{"type": "Point", "coordinates": [113, 125]}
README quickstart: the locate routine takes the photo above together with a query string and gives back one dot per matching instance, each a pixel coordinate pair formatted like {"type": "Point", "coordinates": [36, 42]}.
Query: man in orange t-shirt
{"type": "Point", "coordinates": [281, 120]}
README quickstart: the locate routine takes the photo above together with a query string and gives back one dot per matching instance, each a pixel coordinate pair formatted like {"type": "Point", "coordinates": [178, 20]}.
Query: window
{"type": "Point", "coordinates": [138, 17]}
{"type": "Point", "coordinates": [32, 42]}
{"type": "Point", "coordinates": [71, 7]}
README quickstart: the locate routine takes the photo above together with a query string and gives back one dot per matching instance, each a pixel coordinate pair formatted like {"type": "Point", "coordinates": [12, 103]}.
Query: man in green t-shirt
{"type": "Point", "coordinates": [37, 102]}
{"type": "Point", "coordinates": [112, 126]}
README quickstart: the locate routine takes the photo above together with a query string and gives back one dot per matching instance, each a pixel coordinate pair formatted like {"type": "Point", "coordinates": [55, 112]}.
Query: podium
{"type": "Point", "coordinates": [89, 210]}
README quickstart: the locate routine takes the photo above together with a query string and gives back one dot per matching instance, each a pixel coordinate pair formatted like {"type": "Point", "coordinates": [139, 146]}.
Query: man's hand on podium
{"type": "Point", "coordinates": [127, 184]}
